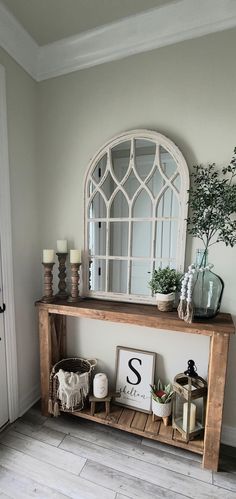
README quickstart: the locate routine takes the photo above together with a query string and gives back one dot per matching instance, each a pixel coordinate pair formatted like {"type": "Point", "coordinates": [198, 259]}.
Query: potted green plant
{"type": "Point", "coordinates": [212, 203]}
{"type": "Point", "coordinates": [161, 399]}
{"type": "Point", "coordinates": [164, 284]}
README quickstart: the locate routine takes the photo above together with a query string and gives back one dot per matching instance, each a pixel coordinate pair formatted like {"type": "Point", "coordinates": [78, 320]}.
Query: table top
{"type": "Point", "coordinates": [138, 314]}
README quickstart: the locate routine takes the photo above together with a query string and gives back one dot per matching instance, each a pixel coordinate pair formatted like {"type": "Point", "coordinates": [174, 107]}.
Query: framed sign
{"type": "Point", "coordinates": [134, 374]}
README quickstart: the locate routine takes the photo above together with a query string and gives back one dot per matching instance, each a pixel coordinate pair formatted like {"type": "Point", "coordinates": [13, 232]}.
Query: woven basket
{"type": "Point", "coordinates": [75, 365]}
{"type": "Point", "coordinates": [165, 306]}
{"type": "Point", "coordinates": [165, 302]}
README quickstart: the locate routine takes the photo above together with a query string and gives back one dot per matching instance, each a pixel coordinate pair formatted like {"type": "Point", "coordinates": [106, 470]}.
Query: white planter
{"type": "Point", "coordinates": [161, 410]}
{"type": "Point", "coordinates": [165, 302]}
{"type": "Point", "coordinates": [100, 385]}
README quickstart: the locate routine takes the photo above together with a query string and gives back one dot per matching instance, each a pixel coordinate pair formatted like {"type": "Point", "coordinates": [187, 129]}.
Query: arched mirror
{"type": "Point", "coordinates": [135, 210]}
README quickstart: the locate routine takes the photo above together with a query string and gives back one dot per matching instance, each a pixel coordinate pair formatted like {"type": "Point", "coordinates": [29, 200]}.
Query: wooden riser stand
{"type": "Point", "coordinates": [52, 333]}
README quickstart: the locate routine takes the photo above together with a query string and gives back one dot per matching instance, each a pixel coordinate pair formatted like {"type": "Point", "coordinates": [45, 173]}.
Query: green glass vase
{"type": "Point", "coordinates": [207, 288]}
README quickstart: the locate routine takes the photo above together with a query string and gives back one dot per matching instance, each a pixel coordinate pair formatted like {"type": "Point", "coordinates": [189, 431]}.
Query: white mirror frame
{"type": "Point", "coordinates": [182, 169]}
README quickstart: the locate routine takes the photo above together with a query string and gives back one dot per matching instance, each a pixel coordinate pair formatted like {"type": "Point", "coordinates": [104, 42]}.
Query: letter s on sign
{"type": "Point", "coordinates": [134, 371]}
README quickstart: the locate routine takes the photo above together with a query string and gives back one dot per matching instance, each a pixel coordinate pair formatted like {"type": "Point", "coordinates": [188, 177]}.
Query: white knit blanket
{"type": "Point", "coordinates": [73, 388]}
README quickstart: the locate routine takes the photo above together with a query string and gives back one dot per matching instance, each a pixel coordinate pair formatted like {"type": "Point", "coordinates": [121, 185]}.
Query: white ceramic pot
{"type": "Point", "coordinates": [165, 302]}
{"type": "Point", "coordinates": [161, 410]}
{"type": "Point", "coordinates": [100, 385]}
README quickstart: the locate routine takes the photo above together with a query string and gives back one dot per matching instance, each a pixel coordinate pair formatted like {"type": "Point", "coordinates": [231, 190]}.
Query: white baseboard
{"type": "Point", "coordinates": [228, 436]}
{"type": "Point", "coordinates": [29, 399]}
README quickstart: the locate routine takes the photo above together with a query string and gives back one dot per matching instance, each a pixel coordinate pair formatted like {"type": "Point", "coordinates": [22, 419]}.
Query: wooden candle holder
{"type": "Point", "coordinates": [74, 296]}
{"type": "Point", "coordinates": [62, 293]}
{"type": "Point", "coordinates": [48, 283]}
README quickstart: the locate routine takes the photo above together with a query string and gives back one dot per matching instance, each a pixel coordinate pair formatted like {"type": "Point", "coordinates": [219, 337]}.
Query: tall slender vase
{"type": "Point", "coordinates": [207, 288]}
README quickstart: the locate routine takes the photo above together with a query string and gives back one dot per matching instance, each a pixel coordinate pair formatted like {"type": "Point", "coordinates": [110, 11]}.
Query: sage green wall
{"type": "Point", "coordinates": [21, 115]}
{"type": "Point", "coordinates": [186, 91]}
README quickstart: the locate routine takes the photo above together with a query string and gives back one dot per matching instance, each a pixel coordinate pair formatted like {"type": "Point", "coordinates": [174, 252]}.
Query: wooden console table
{"type": "Point", "coordinates": [52, 332]}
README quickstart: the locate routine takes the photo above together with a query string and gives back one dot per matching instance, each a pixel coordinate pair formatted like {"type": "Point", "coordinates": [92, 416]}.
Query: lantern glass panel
{"type": "Point", "coordinates": [178, 411]}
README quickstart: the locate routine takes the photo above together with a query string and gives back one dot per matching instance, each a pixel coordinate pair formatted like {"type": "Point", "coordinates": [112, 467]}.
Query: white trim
{"type": "Point", "coordinates": [29, 399]}
{"type": "Point", "coordinates": [159, 27]}
{"type": "Point", "coordinates": [228, 436]}
{"type": "Point", "coordinates": [17, 42]}
{"type": "Point", "coordinates": [7, 262]}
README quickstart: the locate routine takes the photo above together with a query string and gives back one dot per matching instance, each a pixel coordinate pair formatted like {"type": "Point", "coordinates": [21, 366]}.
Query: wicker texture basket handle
{"type": "Point", "coordinates": [92, 363]}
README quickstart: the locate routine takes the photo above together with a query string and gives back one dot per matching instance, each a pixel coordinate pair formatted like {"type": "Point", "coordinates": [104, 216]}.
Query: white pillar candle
{"type": "Point", "coordinates": [62, 246]}
{"type": "Point", "coordinates": [48, 256]}
{"type": "Point", "coordinates": [100, 385]}
{"type": "Point", "coordinates": [74, 256]}
{"type": "Point", "coordinates": [192, 418]}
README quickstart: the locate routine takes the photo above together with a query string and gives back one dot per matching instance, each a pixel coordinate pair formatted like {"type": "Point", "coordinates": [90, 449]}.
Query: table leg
{"type": "Point", "coordinates": [63, 337]}
{"type": "Point", "coordinates": [45, 358]}
{"type": "Point", "coordinates": [216, 386]}
{"type": "Point", "coordinates": [58, 337]}
{"type": "Point", "coordinates": [92, 408]}
{"type": "Point", "coordinates": [107, 407]}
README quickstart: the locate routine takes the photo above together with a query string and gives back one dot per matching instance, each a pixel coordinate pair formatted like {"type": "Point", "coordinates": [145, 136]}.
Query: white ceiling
{"type": "Point", "coordinates": [51, 20]}
{"type": "Point", "coordinates": [92, 35]}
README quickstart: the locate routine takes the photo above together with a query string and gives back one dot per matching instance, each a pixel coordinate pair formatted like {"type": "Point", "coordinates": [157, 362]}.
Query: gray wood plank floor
{"type": "Point", "coordinates": [68, 457]}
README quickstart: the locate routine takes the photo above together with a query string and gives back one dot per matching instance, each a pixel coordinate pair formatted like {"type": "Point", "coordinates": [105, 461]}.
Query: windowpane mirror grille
{"type": "Point", "coordinates": [135, 211]}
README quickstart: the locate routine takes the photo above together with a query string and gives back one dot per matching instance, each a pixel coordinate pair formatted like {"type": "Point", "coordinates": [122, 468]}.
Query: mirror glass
{"type": "Point", "coordinates": [142, 205]}
{"type": "Point", "coordinates": [131, 185]}
{"type": "Point", "coordinates": [97, 274]}
{"type": "Point", "coordinates": [97, 208]}
{"type": "Point", "coordinates": [145, 151]}
{"type": "Point", "coordinates": [99, 170]}
{"type": "Point", "coordinates": [134, 214]}
{"type": "Point", "coordinates": [108, 186]}
{"type": "Point", "coordinates": [120, 156]}
{"type": "Point", "coordinates": [118, 238]}
{"type": "Point", "coordinates": [141, 239]}
{"type": "Point", "coordinates": [167, 163]}
{"type": "Point", "coordinates": [97, 238]}
{"type": "Point", "coordinates": [119, 207]}
{"type": "Point", "coordinates": [140, 275]}
{"type": "Point", "coordinates": [118, 276]}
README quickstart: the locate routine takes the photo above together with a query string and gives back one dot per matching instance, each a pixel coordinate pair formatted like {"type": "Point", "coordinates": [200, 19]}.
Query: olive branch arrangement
{"type": "Point", "coordinates": [212, 201]}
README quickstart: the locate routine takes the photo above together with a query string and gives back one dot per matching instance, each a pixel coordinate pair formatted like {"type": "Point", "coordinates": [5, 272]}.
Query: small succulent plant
{"type": "Point", "coordinates": [162, 393]}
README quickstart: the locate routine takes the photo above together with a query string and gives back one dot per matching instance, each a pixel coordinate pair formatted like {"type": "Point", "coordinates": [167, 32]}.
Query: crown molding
{"type": "Point", "coordinates": [17, 42]}
{"type": "Point", "coordinates": [159, 27]}
{"type": "Point", "coordinates": [183, 20]}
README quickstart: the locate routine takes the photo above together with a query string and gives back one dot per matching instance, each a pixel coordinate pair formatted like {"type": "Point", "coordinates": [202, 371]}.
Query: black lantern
{"type": "Point", "coordinates": [189, 403]}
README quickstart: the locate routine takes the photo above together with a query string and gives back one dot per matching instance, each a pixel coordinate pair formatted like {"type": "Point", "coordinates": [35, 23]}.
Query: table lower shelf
{"type": "Point", "coordinates": [141, 424]}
